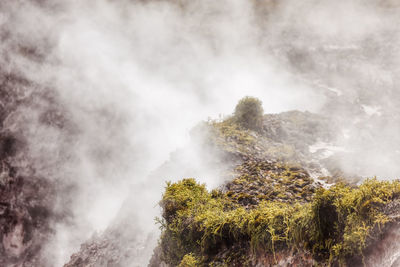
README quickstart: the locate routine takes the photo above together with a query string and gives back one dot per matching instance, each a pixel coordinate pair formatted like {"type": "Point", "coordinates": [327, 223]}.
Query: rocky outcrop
{"type": "Point", "coordinates": [341, 225]}
{"type": "Point", "coordinates": [102, 250]}
{"type": "Point", "coordinates": [27, 198]}
{"type": "Point", "coordinates": [122, 244]}
{"type": "Point", "coordinates": [26, 205]}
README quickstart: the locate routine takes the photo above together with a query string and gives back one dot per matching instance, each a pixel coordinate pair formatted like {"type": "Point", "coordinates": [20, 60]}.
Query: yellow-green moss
{"type": "Point", "coordinates": [333, 226]}
{"type": "Point", "coordinates": [189, 261]}
{"type": "Point", "coordinates": [345, 215]}
{"type": "Point", "coordinates": [231, 137]}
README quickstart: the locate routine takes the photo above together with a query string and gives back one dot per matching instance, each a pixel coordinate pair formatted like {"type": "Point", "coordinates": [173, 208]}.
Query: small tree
{"type": "Point", "coordinates": [249, 113]}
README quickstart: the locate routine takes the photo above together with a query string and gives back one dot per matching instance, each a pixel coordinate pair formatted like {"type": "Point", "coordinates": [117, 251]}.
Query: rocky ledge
{"type": "Point", "coordinates": [271, 211]}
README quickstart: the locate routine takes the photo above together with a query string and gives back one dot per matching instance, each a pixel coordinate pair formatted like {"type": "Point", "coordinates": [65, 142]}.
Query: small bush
{"type": "Point", "coordinates": [249, 113]}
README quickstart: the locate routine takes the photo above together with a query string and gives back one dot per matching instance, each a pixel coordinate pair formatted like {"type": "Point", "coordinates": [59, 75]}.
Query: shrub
{"type": "Point", "coordinates": [249, 113]}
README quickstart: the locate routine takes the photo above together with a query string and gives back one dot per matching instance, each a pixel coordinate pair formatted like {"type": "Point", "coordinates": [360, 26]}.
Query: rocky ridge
{"type": "Point", "coordinates": [271, 166]}
{"type": "Point", "coordinates": [260, 180]}
{"type": "Point", "coordinates": [26, 199]}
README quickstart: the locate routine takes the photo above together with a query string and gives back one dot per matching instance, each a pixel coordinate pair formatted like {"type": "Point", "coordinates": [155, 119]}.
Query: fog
{"type": "Point", "coordinates": [131, 78]}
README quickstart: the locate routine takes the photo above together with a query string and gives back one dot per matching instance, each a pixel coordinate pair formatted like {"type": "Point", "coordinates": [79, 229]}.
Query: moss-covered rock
{"type": "Point", "coordinates": [271, 211]}
{"type": "Point", "coordinates": [216, 228]}
{"type": "Point", "coordinates": [189, 261]}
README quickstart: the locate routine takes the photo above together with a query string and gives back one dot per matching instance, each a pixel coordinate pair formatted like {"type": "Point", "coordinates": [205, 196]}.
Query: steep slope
{"type": "Point", "coordinates": [32, 198]}
{"type": "Point", "coordinates": [274, 214]}
{"type": "Point", "coordinates": [26, 199]}
{"type": "Point", "coordinates": [271, 166]}
{"type": "Point", "coordinates": [222, 147]}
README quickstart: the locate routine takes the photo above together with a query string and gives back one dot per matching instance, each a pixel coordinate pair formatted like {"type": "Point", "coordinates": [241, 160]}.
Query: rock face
{"type": "Point", "coordinates": [31, 198]}
{"type": "Point", "coordinates": [27, 196]}
{"type": "Point", "coordinates": [26, 200]}
{"type": "Point", "coordinates": [120, 245]}
{"type": "Point", "coordinates": [26, 207]}
{"type": "Point", "coordinates": [100, 251]}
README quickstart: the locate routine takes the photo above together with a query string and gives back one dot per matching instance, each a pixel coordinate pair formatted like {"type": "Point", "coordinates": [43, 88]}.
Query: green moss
{"type": "Point", "coordinates": [334, 225]}
{"type": "Point", "coordinates": [182, 196]}
{"type": "Point", "coordinates": [232, 137]}
{"type": "Point", "coordinates": [189, 261]}
{"type": "Point", "coordinates": [345, 216]}
{"type": "Point", "coordinates": [180, 201]}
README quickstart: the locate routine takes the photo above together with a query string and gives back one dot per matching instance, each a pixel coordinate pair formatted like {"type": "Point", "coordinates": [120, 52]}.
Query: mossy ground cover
{"type": "Point", "coordinates": [231, 137]}
{"type": "Point", "coordinates": [198, 225]}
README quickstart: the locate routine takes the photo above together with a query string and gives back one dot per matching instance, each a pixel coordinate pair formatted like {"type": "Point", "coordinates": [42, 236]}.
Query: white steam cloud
{"type": "Point", "coordinates": [133, 77]}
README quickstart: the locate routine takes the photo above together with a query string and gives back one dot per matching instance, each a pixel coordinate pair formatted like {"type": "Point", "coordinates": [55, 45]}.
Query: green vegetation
{"type": "Point", "coordinates": [345, 216]}
{"type": "Point", "coordinates": [231, 137]}
{"type": "Point", "coordinates": [198, 226]}
{"type": "Point", "coordinates": [271, 205]}
{"type": "Point", "coordinates": [189, 261]}
{"type": "Point", "coordinates": [249, 113]}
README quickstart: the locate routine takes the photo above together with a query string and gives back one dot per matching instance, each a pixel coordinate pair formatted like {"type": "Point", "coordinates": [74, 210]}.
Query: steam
{"type": "Point", "coordinates": [131, 78]}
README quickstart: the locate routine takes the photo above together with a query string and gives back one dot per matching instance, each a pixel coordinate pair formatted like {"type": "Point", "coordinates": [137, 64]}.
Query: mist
{"type": "Point", "coordinates": [130, 79]}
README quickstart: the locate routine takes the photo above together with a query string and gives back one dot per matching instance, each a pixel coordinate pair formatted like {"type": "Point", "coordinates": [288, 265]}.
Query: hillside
{"type": "Point", "coordinates": [272, 213]}
{"type": "Point", "coordinates": [274, 207]}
